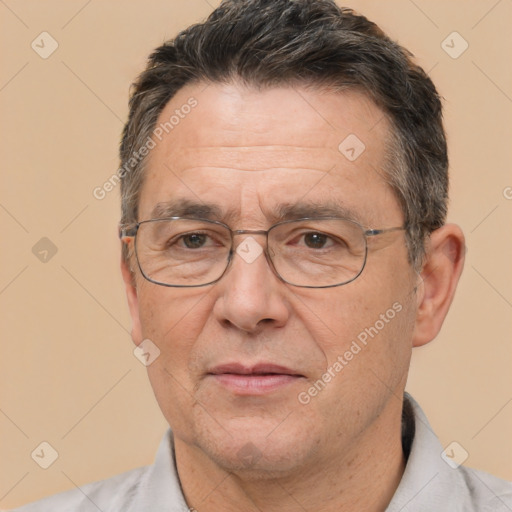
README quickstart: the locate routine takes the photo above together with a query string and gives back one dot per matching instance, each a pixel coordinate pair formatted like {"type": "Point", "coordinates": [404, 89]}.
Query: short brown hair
{"type": "Point", "coordinates": [266, 43]}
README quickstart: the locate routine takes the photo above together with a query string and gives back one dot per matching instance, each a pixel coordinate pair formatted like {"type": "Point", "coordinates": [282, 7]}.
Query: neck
{"type": "Point", "coordinates": [364, 477]}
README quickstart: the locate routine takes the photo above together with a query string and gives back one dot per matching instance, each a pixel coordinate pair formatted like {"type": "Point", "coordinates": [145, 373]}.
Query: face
{"type": "Point", "coordinates": [334, 359]}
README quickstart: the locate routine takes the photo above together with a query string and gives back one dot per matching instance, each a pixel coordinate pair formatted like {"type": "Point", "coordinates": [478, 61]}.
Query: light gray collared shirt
{"type": "Point", "coordinates": [430, 482]}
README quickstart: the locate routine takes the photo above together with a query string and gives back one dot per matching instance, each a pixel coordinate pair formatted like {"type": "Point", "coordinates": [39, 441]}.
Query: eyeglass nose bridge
{"type": "Point", "coordinates": [250, 231]}
{"type": "Point", "coordinates": [266, 250]}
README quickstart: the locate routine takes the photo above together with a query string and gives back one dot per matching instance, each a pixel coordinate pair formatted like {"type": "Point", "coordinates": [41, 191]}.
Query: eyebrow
{"type": "Point", "coordinates": [304, 209]}
{"type": "Point", "coordinates": [186, 208]}
{"type": "Point", "coordinates": [282, 212]}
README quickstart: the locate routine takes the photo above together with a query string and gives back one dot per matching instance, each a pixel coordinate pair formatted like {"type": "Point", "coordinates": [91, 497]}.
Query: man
{"type": "Point", "coordinates": [284, 190]}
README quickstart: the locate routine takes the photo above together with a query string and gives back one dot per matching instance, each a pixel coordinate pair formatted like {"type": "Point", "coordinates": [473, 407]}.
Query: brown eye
{"type": "Point", "coordinates": [315, 240]}
{"type": "Point", "coordinates": [194, 240]}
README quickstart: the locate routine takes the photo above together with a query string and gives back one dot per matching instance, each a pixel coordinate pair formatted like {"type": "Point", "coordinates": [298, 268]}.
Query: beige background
{"type": "Point", "coordinates": [68, 373]}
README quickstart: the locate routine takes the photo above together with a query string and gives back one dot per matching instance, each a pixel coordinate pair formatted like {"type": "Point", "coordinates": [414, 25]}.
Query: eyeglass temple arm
{"type": "Point", "coordinates": [375, 232]}
{"type": "Point", "coordinates": [127, 230]}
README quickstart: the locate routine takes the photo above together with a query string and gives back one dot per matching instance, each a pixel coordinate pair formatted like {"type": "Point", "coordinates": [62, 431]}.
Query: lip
{"type": "Point", "coordinates": [259, 368]}
{"type": "Point", "coordinates": [257, 379]}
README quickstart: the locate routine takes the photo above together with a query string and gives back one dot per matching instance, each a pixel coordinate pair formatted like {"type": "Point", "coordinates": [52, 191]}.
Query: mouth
{"type": "Point", "coordinates": [254, 380]}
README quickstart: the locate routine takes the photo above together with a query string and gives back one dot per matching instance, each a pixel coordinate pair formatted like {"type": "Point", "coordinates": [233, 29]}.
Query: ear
{"type": "Point", "coordinates": [133, 299]}
{"type": "Point", "coordinates": [444, 261]}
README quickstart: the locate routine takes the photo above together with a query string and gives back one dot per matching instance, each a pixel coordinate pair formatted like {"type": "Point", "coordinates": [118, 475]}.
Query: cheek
{"type": "Point", "coordinates": [368, 324]}
{"type": "Point", "coordinates": [367, 348]}
{"type": "Point", "coordinates": [173, 319]}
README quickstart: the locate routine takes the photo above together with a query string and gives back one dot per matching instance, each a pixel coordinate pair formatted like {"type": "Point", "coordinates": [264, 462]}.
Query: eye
{"type": "Point", "coordinates": [197, 240]}
{"type": "Point", "coordinates": [194, 240]}
{"type": "Point", "coordinates": [316, 240]}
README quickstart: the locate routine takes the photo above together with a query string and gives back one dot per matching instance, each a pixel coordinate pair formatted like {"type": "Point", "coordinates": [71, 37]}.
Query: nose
{"type": "Point", "coordinates": [250, 295]}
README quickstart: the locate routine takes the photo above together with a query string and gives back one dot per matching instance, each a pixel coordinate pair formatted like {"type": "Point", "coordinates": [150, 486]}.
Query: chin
{"type": "Point", "coordinates": [257, 447]}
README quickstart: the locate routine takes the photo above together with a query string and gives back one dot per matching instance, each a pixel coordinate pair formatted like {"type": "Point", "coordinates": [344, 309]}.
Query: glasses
{"type": "Point", "coordinates": [309, 253]}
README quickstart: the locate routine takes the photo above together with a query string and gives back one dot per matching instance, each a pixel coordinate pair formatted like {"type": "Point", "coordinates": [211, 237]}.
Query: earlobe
{"type": "Point", "coordinates": [133, 299]}
{"type": "Point", "coordinates": [444, 261]}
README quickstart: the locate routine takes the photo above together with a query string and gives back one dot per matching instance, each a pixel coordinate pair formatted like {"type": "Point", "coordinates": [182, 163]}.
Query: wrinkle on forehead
{"type": "Point", "coordinates": [256, 158]}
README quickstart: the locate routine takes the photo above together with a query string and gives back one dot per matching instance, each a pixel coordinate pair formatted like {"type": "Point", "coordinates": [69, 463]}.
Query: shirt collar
{"type": "Point", "coordinates": [426, 474]}
{"type": "Point", "coordinates": [160, 488]}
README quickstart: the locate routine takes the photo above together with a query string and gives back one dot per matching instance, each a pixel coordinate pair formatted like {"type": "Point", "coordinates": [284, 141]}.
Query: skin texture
{"type": "Point", "coordinates": [247, 152]}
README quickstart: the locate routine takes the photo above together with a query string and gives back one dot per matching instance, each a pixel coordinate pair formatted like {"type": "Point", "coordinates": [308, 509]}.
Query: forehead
{"type": "Point", "coordinates": [243, 148]}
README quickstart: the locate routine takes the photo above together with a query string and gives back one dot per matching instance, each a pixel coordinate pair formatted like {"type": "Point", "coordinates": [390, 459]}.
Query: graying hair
{"type": "Point", "coordinates": [266, 43]}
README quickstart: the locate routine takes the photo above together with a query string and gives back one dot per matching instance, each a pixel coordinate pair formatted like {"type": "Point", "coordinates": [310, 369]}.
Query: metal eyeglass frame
{"type": "Point", "coordinates": [130, 231]}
